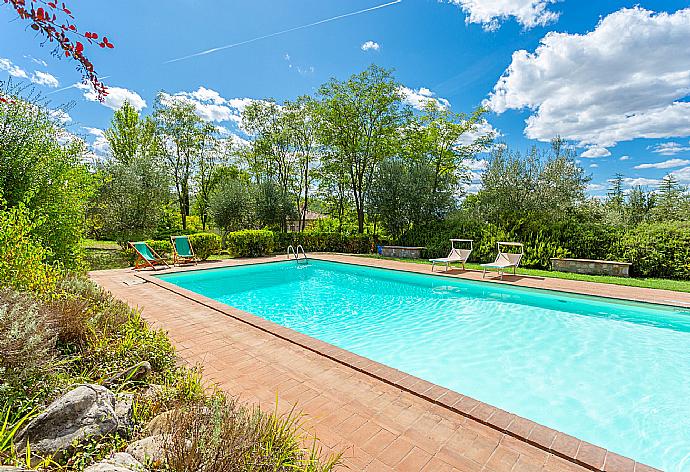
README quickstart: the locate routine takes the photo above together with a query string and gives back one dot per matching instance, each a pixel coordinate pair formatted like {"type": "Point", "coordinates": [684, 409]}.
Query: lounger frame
{"type": "Point", "coordinates": [455, 255]}
{"type": "Point", "coordinates": [505, 260]}
{"type": "Point", "coordinates": [142, 262]}
{"type": "Point", "coordinates": [177, 258]}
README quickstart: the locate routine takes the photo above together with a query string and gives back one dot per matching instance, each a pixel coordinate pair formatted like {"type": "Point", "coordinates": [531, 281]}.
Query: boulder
{"type": "Point", "coordinates": [148, 450]}
{"type": "Point", "coordinates": [160, 424]}
{"type": "Point", "coordinates": [88, 410]}
{"type": "Point", "coordinates": [118, 462]}
{"type": "Point", "coordinates": [123, 410]}
{"type": "Point", "coordinates": [136, 373]}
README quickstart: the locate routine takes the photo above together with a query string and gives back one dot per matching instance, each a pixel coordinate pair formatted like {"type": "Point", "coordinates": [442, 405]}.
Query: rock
{"type": "Point", "coordinates": [159, 424]}
{"type": "Point", "coordinates": [10, 468]}
{"type": "Point", "coordinates": [149, 449]}
{"type": "Point", "coordinates": [123, 411]}
{"type": "Point", "coordinates": [136, 373]}
{"type": "Point", "coordinates": [118, 462]}
{"type": "Point", "coordinates": [88, 410]}
{"type": "Point", "coordinates": [153, 392]}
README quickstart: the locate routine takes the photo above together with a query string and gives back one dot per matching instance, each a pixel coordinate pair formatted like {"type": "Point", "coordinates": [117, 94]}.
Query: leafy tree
{"type": "Point", "coordinates": [639, 206]}
{"type": "Point", "coordinates": [213, 155]}
{"type": "Point", "coordinates": [273, 206]}
{"type": "Point", "coordinates": [360, 121]}
{"type": "Point", "coordinates": [43, 170]}
{"type": "Point", "coordinates": [230, 206]}
{"type": "Point", "coordinates": [130, 136]}
{"type": "Point", "coordinates": [183, 137]}
{"type": "Point", "coordinates": [132, 197]}
{"type": "Point", "coordinates": [670, 200]}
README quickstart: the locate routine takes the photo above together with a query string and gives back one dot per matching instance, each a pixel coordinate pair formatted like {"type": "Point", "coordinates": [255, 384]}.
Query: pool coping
{"type": "Point", "coordinates": [565, 446]}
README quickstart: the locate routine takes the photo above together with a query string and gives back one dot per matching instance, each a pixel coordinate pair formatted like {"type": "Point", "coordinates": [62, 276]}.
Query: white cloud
{"type": "Point", "coordinates": [100, 144]}
{"type": "Point", "coordinates": [13, 70]}
{"type": "Point", "coordinates": [370, 45]}
{"type": "Point", "coordinates": [595, 187]}
{"type": "Point", "coordinates": [624, 158]}
{"type": "Point", "coordinates": [682, 175]}
{"type": "Point", "coordinates": [483, 128]}
{"type": "Point", "coordinates": [210, 105]}
{"type": "Point", "coordinates": [594, 166]}
{"type": "Point", "coordinates": [116, 97]}
{"type": "Point", "coordinates": [489, 13]}
{"type": "Point", "coordinates": [622, 81]}
{"type": "Point", "coordinates": [595, 151]}
{"type": "Point", "coordinates": [669, 149]}
{"type": "Point", "coordinates": [419, 98]}
{"type": "Point", "coordinates": [45, 79]}
{"type": "Point", "coordinates": [60, 115]}
{"type": "Point", "coordinates": [640, 181]}
{"type": "Point", "coordinates": [475, 164]}
{"type": "Point", "coordinates": [665, 164]}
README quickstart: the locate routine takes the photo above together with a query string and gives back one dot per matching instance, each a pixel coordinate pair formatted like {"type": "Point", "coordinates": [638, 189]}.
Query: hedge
{"type": "Point", "coordinates": [205, 244]}
{"type": "Point", "coordinates": [313, 241]}
{"type": "Point", "coordinates": [250, 243]}
{"type": "Point", "coordinates": [658, 250]}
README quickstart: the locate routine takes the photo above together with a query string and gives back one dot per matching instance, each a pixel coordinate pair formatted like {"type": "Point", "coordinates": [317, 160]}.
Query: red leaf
{"type": "Point", "coordinates": [80, 47]}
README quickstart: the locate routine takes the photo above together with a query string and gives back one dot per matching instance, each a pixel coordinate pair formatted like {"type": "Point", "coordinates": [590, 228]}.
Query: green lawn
{"type": "Point", "coordinates": [664, 284]}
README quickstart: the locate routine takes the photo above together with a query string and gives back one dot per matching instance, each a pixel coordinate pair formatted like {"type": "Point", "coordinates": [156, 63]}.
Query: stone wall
{"type": "Point", "coordinates": [402, 252]}
{"type": "Point", "coordinates": [592, 267]}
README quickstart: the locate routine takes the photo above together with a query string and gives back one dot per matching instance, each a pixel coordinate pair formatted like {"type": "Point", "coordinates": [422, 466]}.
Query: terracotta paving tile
{"type": "Point", "coordinates": [378, 426]}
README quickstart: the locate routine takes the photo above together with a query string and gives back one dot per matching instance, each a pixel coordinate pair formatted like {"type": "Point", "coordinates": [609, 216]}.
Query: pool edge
{"type": "Point", "coordinates": [547, 439]}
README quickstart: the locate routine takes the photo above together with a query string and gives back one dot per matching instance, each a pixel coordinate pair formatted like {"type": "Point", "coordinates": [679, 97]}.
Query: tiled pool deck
{"type": "Point", "coordinates": [381, 418]}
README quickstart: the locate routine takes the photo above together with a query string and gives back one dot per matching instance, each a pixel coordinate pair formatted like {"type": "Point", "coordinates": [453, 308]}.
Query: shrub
{"type": "Point", "coordinates": [658, 250]}
{"type": "Point", "coordinates": [250, 243]}
{"type": "Point", "coordinates": [219, 434]}
{"type": "Point", "coordinates": [22, 259]}
{"type": "Point", "coordinates": [315, 241]}
{"type": "Point", "coordinates": [205, 244]}
{"type": "Point", "coordinates": [27, 342]}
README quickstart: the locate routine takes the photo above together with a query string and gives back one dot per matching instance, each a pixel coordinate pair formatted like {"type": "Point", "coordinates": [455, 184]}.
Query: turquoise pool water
{"type": "Point", "coordinates": [612, 373]}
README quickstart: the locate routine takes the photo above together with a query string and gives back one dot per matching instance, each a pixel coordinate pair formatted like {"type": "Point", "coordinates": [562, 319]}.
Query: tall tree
{"type": "Point", "coordinates": [360, 120]}
{"type": "Point", "coordinates": [130, 136]}
{"type": "Point", "coordinates": [182, 135]}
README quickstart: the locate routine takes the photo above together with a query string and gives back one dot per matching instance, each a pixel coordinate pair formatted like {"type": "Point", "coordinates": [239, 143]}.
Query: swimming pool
{"type": "Point", "coordinates": [615, 374]}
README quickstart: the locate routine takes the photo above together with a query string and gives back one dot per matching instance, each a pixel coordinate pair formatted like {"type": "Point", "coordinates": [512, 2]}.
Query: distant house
{"type": "Point", "coordinates": [311, 217]}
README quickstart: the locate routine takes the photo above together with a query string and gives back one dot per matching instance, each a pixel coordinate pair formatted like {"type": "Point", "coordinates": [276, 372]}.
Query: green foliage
{"type": "Point", "coordinates": [658, 250]}
{"type": "Point", "coordinates": [130, 136]}
{"type": "Point", "coordinates": [205, 244]}
{"type": "Point", "coordinates": [250, 243]}
{"type": "Point", "coordinates": [314, 241]}
{"type": "Point", "coordinates": [22, 259]}
{"type": "Point", "coordinates": [41, 171]}
{"type": "Point", "coordinates": [231, 205]}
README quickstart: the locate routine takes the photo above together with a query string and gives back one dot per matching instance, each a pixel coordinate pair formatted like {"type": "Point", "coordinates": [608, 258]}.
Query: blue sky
{"type": "Point", "coordinates": [612, 78]}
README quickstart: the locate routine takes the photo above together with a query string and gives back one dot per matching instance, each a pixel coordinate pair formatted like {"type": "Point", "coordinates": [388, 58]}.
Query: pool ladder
{"type": "Point", "coordinates": [295, 254]}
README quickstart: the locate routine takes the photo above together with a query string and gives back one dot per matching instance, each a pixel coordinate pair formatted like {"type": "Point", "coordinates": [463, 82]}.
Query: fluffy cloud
{"type": "Point", "coordinates": [624, 158]}
{"type": "Point", "coordinates": [641, 182]}
{"type": "Point", "coordinates": [669, 149]}
{"type": "Point", "coordinates": [483, 128]}
{"type": "Point", "coordinates": [595, 151]}
{"type": "Point", "coordinates": [489, 13]}
{"type": "Point", "coordinates": [60, 115]}
{"type": "Point", "coordinates": [594, 166]}
{"type": "Point", "coordinates": [475, 164]}
{"type": "Point", "coordinates": [210, 105]}
{"type": "Point", "coordinates": [624, 80]}
{"type": "Point", "coordinates": [116, 97]}
{"type": "Point", "coordinates": [99, 144]}
{"type": "Point", "coordinates": [370, 45]}
{"type": "Point", "coordinates": [669, 164]}
{"type": "Point", "coordinates": [682, 175]}
{"type": "Point", "coordinates": [13, 70]}
{"type": "Point", "coordinates": [595, 187]}
{"type": "Point", "coordinates": [45, 79]}
{"type": "Point", "coordinates": [419, 98]}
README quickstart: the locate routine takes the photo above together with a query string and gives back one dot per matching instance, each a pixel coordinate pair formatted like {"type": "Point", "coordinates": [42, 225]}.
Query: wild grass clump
{"type": "Point", "coordinates": [218, 434]}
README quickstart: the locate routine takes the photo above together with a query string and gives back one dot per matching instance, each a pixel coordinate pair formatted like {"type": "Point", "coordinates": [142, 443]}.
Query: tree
{"type": "Point", "coordinates": [44, 173]}
{"type": "Point", "coordinates": [55, 23]}
{"type": "Point", "coordinates": [273, 206]}
{"type": "Point", "coordinates": [131, 136]}
{"type": "Point", "coordinates": [132, 197]}
{"type": "Point", "coordinates": [670, 200]}
{"type": "Point", "coordinates": [639, 205]}
{"type": "Point", "coordinates": [230, 206]}
{"type": "Point", "coordinates": [212, 157]}
{"type": "Point", "coordinates": [182, 136]}
{"type": "Point", "coordinates": [360, 120]}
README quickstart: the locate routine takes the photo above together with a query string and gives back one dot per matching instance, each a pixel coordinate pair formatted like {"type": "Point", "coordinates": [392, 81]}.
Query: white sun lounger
{"type": "Point", "coordinates": [455, 255]}
{"type": "Point", "coordinates": [505, 260]}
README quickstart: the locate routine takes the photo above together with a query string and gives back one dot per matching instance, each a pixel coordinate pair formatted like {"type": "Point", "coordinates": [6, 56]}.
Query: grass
{"type": "Point", "coordinates": [661, 284]}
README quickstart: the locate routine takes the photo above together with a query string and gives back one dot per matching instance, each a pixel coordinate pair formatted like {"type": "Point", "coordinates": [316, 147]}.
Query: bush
{"type": "Point", "coordinates": [27, 342]}
{"type": "Point", "coordinates": [22, 259]}
{"type": "Point", "coordinates": [250, 243]}
{"type": "Point", "coordinates": [658, 250]}
{"type": "Point", "coordinates": [219, 434]}
{"type": "Point", "coordinates": [314, 241]}
{"type": "Point", "coordinates": [205, 244]}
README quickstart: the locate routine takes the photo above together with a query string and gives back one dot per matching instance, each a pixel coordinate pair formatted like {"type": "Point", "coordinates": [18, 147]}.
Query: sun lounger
{"type": "Point", "coordinates": [182, 250]}
{"type": "Point", "coordinates": [456, 255]}
{"type": "Point", "coordinates": [146, 257]}
{"type": "Point", "coordinates": [505, 260]}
